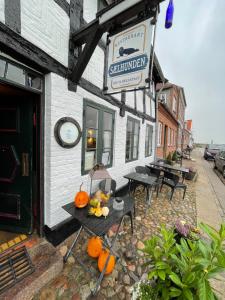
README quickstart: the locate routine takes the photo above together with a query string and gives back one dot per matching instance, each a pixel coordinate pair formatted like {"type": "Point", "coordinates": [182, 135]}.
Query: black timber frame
{"type": "Point", "coordinates": [91, 33]}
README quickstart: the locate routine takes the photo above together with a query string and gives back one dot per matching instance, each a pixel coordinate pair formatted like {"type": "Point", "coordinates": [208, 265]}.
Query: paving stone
{"type": "Point", "coordinates": [118, 284]}
{"type": "Point", "coordinates": [126, 279]}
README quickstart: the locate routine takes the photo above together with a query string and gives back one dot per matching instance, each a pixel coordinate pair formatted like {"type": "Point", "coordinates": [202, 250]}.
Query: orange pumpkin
{"type": "Point", "coordinates": [102, 260]}
{"type": "Point", "coordinates": [94, 247]}
{"type": "Point", "coordinates": [81, 199]}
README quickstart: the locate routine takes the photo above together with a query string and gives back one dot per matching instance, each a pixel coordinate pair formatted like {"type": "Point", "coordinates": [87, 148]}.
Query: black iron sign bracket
{"type": "Point", "coordinates": [90, 34]}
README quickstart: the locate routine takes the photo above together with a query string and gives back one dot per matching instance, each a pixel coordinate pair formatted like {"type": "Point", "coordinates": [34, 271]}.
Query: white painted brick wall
{"type": "Point", "coordinates": [90, 10]}
{"type": "Point", "coordinates": [63, 166]}
{"type": "Point", "coordinates": [95, 68]}
{"type": "Point", "coordinates": [2, 11]}
{"type": "Point", "coordinates": [46, 25]}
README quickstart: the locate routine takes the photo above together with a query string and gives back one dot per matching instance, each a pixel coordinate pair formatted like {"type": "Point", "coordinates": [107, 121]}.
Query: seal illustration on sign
{"type": "Point", "coordinates": [127, 51]}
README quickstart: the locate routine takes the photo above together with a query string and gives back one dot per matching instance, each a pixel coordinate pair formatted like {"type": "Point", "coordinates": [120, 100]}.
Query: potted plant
{"type": "Point", "coordinates": [174, 156]}
{"type": "Point", "coordinates": [169, 159]}
{"type": "Point", "coordinates": [191, 174]}
{"type": "Point", "coordinates": [182, 270]}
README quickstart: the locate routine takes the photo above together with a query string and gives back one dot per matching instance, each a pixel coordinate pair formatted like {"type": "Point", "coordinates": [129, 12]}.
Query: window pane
{"type": "Point", "coordinates": [33, 81]}
{"type": "Point", "coordinates": [2, 68]}
{"type": "Point", "coordinates": [90, 160]}
{"type": "Point", "coordinates": [106, 157]}
{"type": "Point", "coordinates": [107, 119]}
{"type": "Point", "coordinates": [135, 140]}
{"type": "Point", "coordinates": [107, 139]}
{"type": "Point", "coordinates": [135, 152]}
{"type": "Point", "coordinates": [15, 74]}
{"type": "Point", "coordinates": [91, 140]}
{"type": "Point", "coordinates": [128, 154]}
{"type": "Point", "coordinates": [91, 117]}
{"type": "Point", "coordinates": [136, 128]}
{"type": "Point", "coordinates": [129, 126]}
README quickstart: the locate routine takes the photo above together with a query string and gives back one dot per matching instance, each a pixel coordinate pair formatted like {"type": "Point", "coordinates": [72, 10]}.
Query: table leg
{"type": "Point", "coordinates": [73, 245]}
{"type": "Point", "coordinates": [149, 195]}
{"type": "Point", "coordinates": [107, 260]}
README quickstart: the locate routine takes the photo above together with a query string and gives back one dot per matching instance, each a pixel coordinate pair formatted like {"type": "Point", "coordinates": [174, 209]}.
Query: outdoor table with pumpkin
{"type": "Point", "coordinates": [100, 226]}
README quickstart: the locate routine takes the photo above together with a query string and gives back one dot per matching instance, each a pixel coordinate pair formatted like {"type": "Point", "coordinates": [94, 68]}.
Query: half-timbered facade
{"type": "Point", "coordinates": [36, 59]}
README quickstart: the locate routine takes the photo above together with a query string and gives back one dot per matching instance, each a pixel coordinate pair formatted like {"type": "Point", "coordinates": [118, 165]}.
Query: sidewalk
{"type": "Point", "coordinates": [210, 202]}
{"type": "Point", "coordinates": [210, 193]}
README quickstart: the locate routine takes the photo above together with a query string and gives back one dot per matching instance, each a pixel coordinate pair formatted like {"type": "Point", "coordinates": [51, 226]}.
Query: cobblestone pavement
{"type": "Point", "coordinates": [76, 284]}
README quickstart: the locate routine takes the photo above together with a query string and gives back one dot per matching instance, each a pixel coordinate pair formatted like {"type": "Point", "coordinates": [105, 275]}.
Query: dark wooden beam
{"type": "Point", "coordinates": [93, 89]}
{"type": "Point", "coordinates": [13, 15]}
{"type": "Point", "coordinates": [76, 18]}
{"type": "Point", "coordinates": [64, 5]}
{"type": "Point", "coordinates": [86, 54]}
{"type": "Point", "coordinates": [23, 50]}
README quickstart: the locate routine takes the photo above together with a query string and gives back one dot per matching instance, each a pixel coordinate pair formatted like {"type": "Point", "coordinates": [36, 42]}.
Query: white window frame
{"type": "Point", "coordinates": [160, 126]}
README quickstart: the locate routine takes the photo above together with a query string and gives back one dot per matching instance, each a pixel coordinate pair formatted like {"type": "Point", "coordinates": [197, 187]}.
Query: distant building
{"type": "Point", "coordinates": [171, 116]}
{"type": "Point", "coordinates": [188, 136]}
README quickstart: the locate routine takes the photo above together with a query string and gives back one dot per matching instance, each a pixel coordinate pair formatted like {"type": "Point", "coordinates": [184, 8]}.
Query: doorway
{"type": "Point", "coordinates": [20, 207]}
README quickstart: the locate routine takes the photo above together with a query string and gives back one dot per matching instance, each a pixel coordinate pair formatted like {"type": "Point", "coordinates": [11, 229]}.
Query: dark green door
{"type": "Point", "coordinates": [16, 131]}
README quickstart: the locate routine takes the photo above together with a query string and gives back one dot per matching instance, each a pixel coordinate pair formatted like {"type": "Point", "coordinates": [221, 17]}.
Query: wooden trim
{"type": "Point", "coordinates": [29, 54]}
{"type": "Point", "coordinates": [64, 5]}
{"type": "Point", "coordinates": [13, 15]}
{"type": "Point", "coordinates": [93, 89]}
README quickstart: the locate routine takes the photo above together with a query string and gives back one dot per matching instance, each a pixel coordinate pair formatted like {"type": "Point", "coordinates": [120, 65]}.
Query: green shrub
{"type": "Point", "coordinates": [182, 270]}
{"type": "Point", "coordinates": [169, 158]}
{"type": "Point", "coordinates": [174, 156]}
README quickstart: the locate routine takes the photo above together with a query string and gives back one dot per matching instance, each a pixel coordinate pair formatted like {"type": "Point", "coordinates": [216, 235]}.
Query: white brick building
{"type": "Point", "coordinates": [36, 44]}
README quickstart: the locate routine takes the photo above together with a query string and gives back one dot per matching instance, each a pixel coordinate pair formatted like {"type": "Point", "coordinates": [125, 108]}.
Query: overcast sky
{"type": "Point", "coordinates": [192, 55]}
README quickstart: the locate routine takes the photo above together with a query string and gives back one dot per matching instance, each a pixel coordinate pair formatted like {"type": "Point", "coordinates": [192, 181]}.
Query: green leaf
{"type": "Point", "coordinates": [189, 278]}
{"type": "Point", "coordinates": [175, 278]}
{"type": "Point", "coordinates": [210, 231]}
{"type": "Point", "coordinates": [151, 275]}
{"type": "Point", "coordinates": [161, 265]}
{"type": "Point", "coordinates": [175, 292]}
{"type": "Point", "coordinates": [188, 294]}
{"type": "Point", "coordinates": [162, 274]}
{"type": "Point", "coordinates": [165, 293]}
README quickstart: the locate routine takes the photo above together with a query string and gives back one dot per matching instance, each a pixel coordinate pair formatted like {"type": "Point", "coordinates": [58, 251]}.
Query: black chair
{"type": "Point", "coordinates": [102, 185]}
{"type": "Point", "coordinates": [140, 170]}
{"type": "Point", "coordinates": [157, 173]}
{"type": "Point", "coordinates": [172, 180]}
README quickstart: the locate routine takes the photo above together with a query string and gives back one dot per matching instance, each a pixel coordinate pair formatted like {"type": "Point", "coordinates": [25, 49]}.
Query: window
{"type": "Point", "coordinates": [159, 134]}
{"type": "Point", "coordinates": [163, 98]}
{"type": "Point", "coordinates": [98, 133]}
{"type": "Point", "coordinates": [102, 4]}
{"type": "Point", "coordinates": [169, 137]}
{"type": "Point", "coordinates": [148, 140]}
{"type": "Point", "coordinates": [132, 141]}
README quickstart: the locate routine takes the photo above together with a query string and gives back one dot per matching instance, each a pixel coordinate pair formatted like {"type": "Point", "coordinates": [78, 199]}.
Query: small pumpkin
{"type": "Point", "coordinates": [102, 260]}
{"type": "Point", "coordinates": [94, 247]}
{"type": "Point", "coordinates": [81, 199]}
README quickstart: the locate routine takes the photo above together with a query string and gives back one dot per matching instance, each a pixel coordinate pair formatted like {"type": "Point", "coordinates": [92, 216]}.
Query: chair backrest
{"type": "Point", "coordinates": [105, 182]}
{"type": "Point", "coordinates": [154, 171]}
{"type": "Point", "coordinates": [171, 176]}
{"type": "Point", "coordinates": [141, 170]}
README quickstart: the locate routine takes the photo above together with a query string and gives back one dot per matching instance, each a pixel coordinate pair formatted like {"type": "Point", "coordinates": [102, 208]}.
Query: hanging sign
{"type": "Point", "coordinates": [128, 59]}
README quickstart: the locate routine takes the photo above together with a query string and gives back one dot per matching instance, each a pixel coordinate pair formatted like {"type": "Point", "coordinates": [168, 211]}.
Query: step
{"type": "Point", "coordinates": [48, 264]}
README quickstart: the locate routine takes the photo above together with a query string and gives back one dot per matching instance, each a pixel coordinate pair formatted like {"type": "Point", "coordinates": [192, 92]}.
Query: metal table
{"type": "Point", "coordinates": [100, 226]}
{"type": "Point", "coordinates": [164, 166]}
{"type": "Point", "coordinates": [149, 181]}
